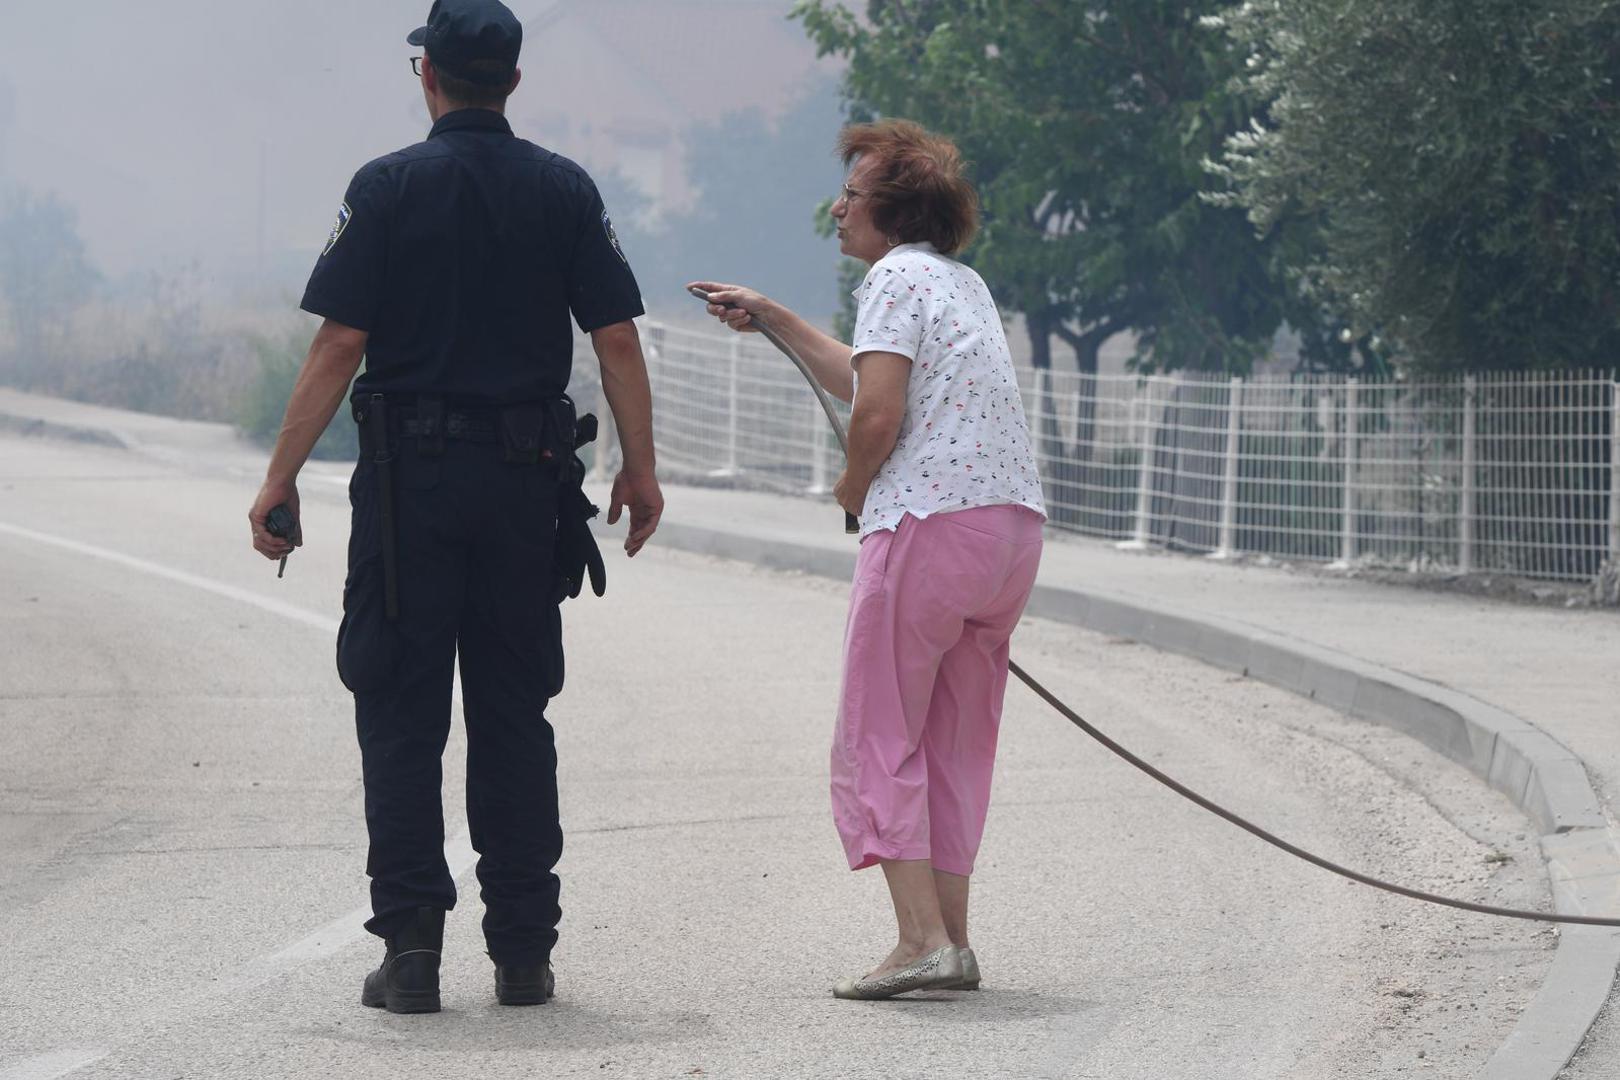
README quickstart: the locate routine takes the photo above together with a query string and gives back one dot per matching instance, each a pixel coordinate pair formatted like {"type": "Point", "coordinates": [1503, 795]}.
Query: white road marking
{"type": "Point", "coordinates": [218, 588]}
{"type": "Point", "coordinates": [331, 938]}
{"type": "Point", "coordinates": [335, 936]}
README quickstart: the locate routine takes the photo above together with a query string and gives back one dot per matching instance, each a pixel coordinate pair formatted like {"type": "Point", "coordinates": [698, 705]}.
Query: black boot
{"type": "Point", "coordinates": [524, 984]}
{"type": "Point", "coordinates": [408, 980]}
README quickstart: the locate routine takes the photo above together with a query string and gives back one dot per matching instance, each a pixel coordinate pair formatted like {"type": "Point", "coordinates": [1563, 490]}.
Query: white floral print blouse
{"type": "Point", "coordinates": [964, 441]}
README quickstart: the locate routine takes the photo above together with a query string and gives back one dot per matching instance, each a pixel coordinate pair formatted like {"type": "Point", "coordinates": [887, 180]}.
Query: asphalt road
{"type": "Point", "coordinates": [182, 847]}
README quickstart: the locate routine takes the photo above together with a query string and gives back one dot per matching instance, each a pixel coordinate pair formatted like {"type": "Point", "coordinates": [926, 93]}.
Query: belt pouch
{"type": "Point", "coordinates": [563, 429]}
{"type": "Point", "coordinates": [522, 430]}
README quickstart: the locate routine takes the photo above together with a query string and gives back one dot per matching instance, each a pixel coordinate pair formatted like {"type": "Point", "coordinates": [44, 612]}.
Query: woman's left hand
{"type": "Point", "coordinates": [850, 496]}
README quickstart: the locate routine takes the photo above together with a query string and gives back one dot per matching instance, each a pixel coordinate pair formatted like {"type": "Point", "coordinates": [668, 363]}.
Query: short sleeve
{"type": "Point", "coordinates": [347, 282]}
{"type": "Point", "coordinates": [602, 290]}
{"type": "Point", "coordinates": [890, 315]}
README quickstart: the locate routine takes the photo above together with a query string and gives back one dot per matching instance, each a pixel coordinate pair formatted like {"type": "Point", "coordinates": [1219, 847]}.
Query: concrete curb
{"type": "Point", "coordinates": [38, 428]}
{"type": "Point", "coordinates": [1540, 776]}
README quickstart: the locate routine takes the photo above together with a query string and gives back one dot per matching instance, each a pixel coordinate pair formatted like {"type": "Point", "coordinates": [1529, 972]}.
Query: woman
{"type": "Point", "coordinates": [942, 474]}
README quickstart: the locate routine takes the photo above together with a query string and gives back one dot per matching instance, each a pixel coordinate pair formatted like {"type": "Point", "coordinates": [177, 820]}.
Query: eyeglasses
{"type": "Point", "coordinates": [416, 66]}
{"type": "Point", "coordinates": [849, 194]}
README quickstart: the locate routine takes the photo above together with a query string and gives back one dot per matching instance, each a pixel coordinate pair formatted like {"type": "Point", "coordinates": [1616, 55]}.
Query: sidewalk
{"type": "Point", "coordinates": [1526, 697]}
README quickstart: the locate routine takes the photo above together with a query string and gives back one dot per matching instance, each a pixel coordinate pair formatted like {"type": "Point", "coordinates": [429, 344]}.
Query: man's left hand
{"type": "Point", "coordinates": [639, 493]}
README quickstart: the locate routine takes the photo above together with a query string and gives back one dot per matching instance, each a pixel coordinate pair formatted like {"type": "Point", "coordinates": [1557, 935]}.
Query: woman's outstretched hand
{"type": "Point", "coordinates": [733, 305]}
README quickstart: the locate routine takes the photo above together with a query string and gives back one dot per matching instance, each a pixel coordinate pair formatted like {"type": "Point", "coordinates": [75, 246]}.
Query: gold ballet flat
{"type": "Point", "coordinates": [970, 971]}
{"type": "Point", "coordinates": [938, 970]}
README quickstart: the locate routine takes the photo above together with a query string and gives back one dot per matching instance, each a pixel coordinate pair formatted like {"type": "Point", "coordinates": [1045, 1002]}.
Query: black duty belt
{"type": "Point", "coordinates": [530, 433]}
{"type": "Point", "coordinates": [478, 427]}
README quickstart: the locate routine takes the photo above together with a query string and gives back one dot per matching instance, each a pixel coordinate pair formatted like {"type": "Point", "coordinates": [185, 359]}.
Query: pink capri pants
{"type": "Point", "coordinates": [925, 667]}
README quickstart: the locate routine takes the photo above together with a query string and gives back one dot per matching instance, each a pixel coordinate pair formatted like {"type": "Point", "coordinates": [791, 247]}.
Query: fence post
{"type": "Point", "coordinates": [1465, 512]}
{"type": "Point", "coordinates": [1347, 527]}
{"type": "Point", "coordinates": [1144, 476]}
{"type": "Point", "coordinates": [1227, 546]}
{"type": "Point", "coordinates": [1048, 434]}
{"type": "Point", "coordinates": [818, 449]}
{"type": "Point", "coordinates": [1614, 476]}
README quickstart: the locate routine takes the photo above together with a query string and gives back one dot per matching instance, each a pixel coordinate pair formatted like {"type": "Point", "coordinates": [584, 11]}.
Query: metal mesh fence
{"type": "Point", "coordinates": [1514, 473]}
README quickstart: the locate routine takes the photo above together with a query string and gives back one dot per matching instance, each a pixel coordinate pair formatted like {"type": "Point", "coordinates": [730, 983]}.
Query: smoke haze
{"type": "Point", "coordinates": [220, 136]}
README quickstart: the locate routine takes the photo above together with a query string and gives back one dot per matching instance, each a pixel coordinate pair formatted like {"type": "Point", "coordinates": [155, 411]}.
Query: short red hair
{"type": "Point", "coordinates": [917, 188]}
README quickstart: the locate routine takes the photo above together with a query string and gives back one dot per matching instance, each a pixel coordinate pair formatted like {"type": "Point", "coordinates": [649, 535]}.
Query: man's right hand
{"type": "Point", "coordinates": [639, 492]}
{"type": "Point", "coordinates": [734, 305]}
{"type": "Point", "coordinates": [272, 494]}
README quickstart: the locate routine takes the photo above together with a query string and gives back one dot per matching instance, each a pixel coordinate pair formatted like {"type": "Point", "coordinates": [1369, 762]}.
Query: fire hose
{"type": "Point", "coordinates": [1174, 785]}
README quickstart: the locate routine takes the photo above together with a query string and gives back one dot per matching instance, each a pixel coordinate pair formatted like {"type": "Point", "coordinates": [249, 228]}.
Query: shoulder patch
{"type": "Point", "coordinates": [613, 237]}
{"type": "Point", "coordinates": [343, 216]}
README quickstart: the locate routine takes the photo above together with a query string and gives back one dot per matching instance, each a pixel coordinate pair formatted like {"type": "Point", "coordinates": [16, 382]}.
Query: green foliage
{"type": "Point", "coordinates": [260, 412]}
{"type": "Point", "coordinates": [45, 277]}
{"type": "Point", "coordinates": [1446, 173]}
{"type": "Point", "coordinates": [1086, 125]}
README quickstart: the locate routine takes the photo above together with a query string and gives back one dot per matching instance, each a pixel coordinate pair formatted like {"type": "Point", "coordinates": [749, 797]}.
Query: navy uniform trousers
{"type": "Point", "coordinates": [474, 535]}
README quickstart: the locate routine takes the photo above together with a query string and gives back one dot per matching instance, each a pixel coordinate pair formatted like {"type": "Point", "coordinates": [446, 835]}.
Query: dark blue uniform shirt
{"type": "Point", "coordinates": [463, 256]}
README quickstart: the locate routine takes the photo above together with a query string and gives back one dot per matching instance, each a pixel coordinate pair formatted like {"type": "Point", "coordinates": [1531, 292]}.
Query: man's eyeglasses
{"type": "Point", "coordinates": [416, 66]}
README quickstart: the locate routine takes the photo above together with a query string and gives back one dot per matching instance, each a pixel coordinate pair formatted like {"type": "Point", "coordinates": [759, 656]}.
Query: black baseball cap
{"type": "Point", "coordinates": [475, 40]}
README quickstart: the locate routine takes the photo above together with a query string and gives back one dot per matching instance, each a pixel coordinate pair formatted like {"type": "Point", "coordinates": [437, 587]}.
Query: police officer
{"type": "Point", "coordinates": [453, 269]}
